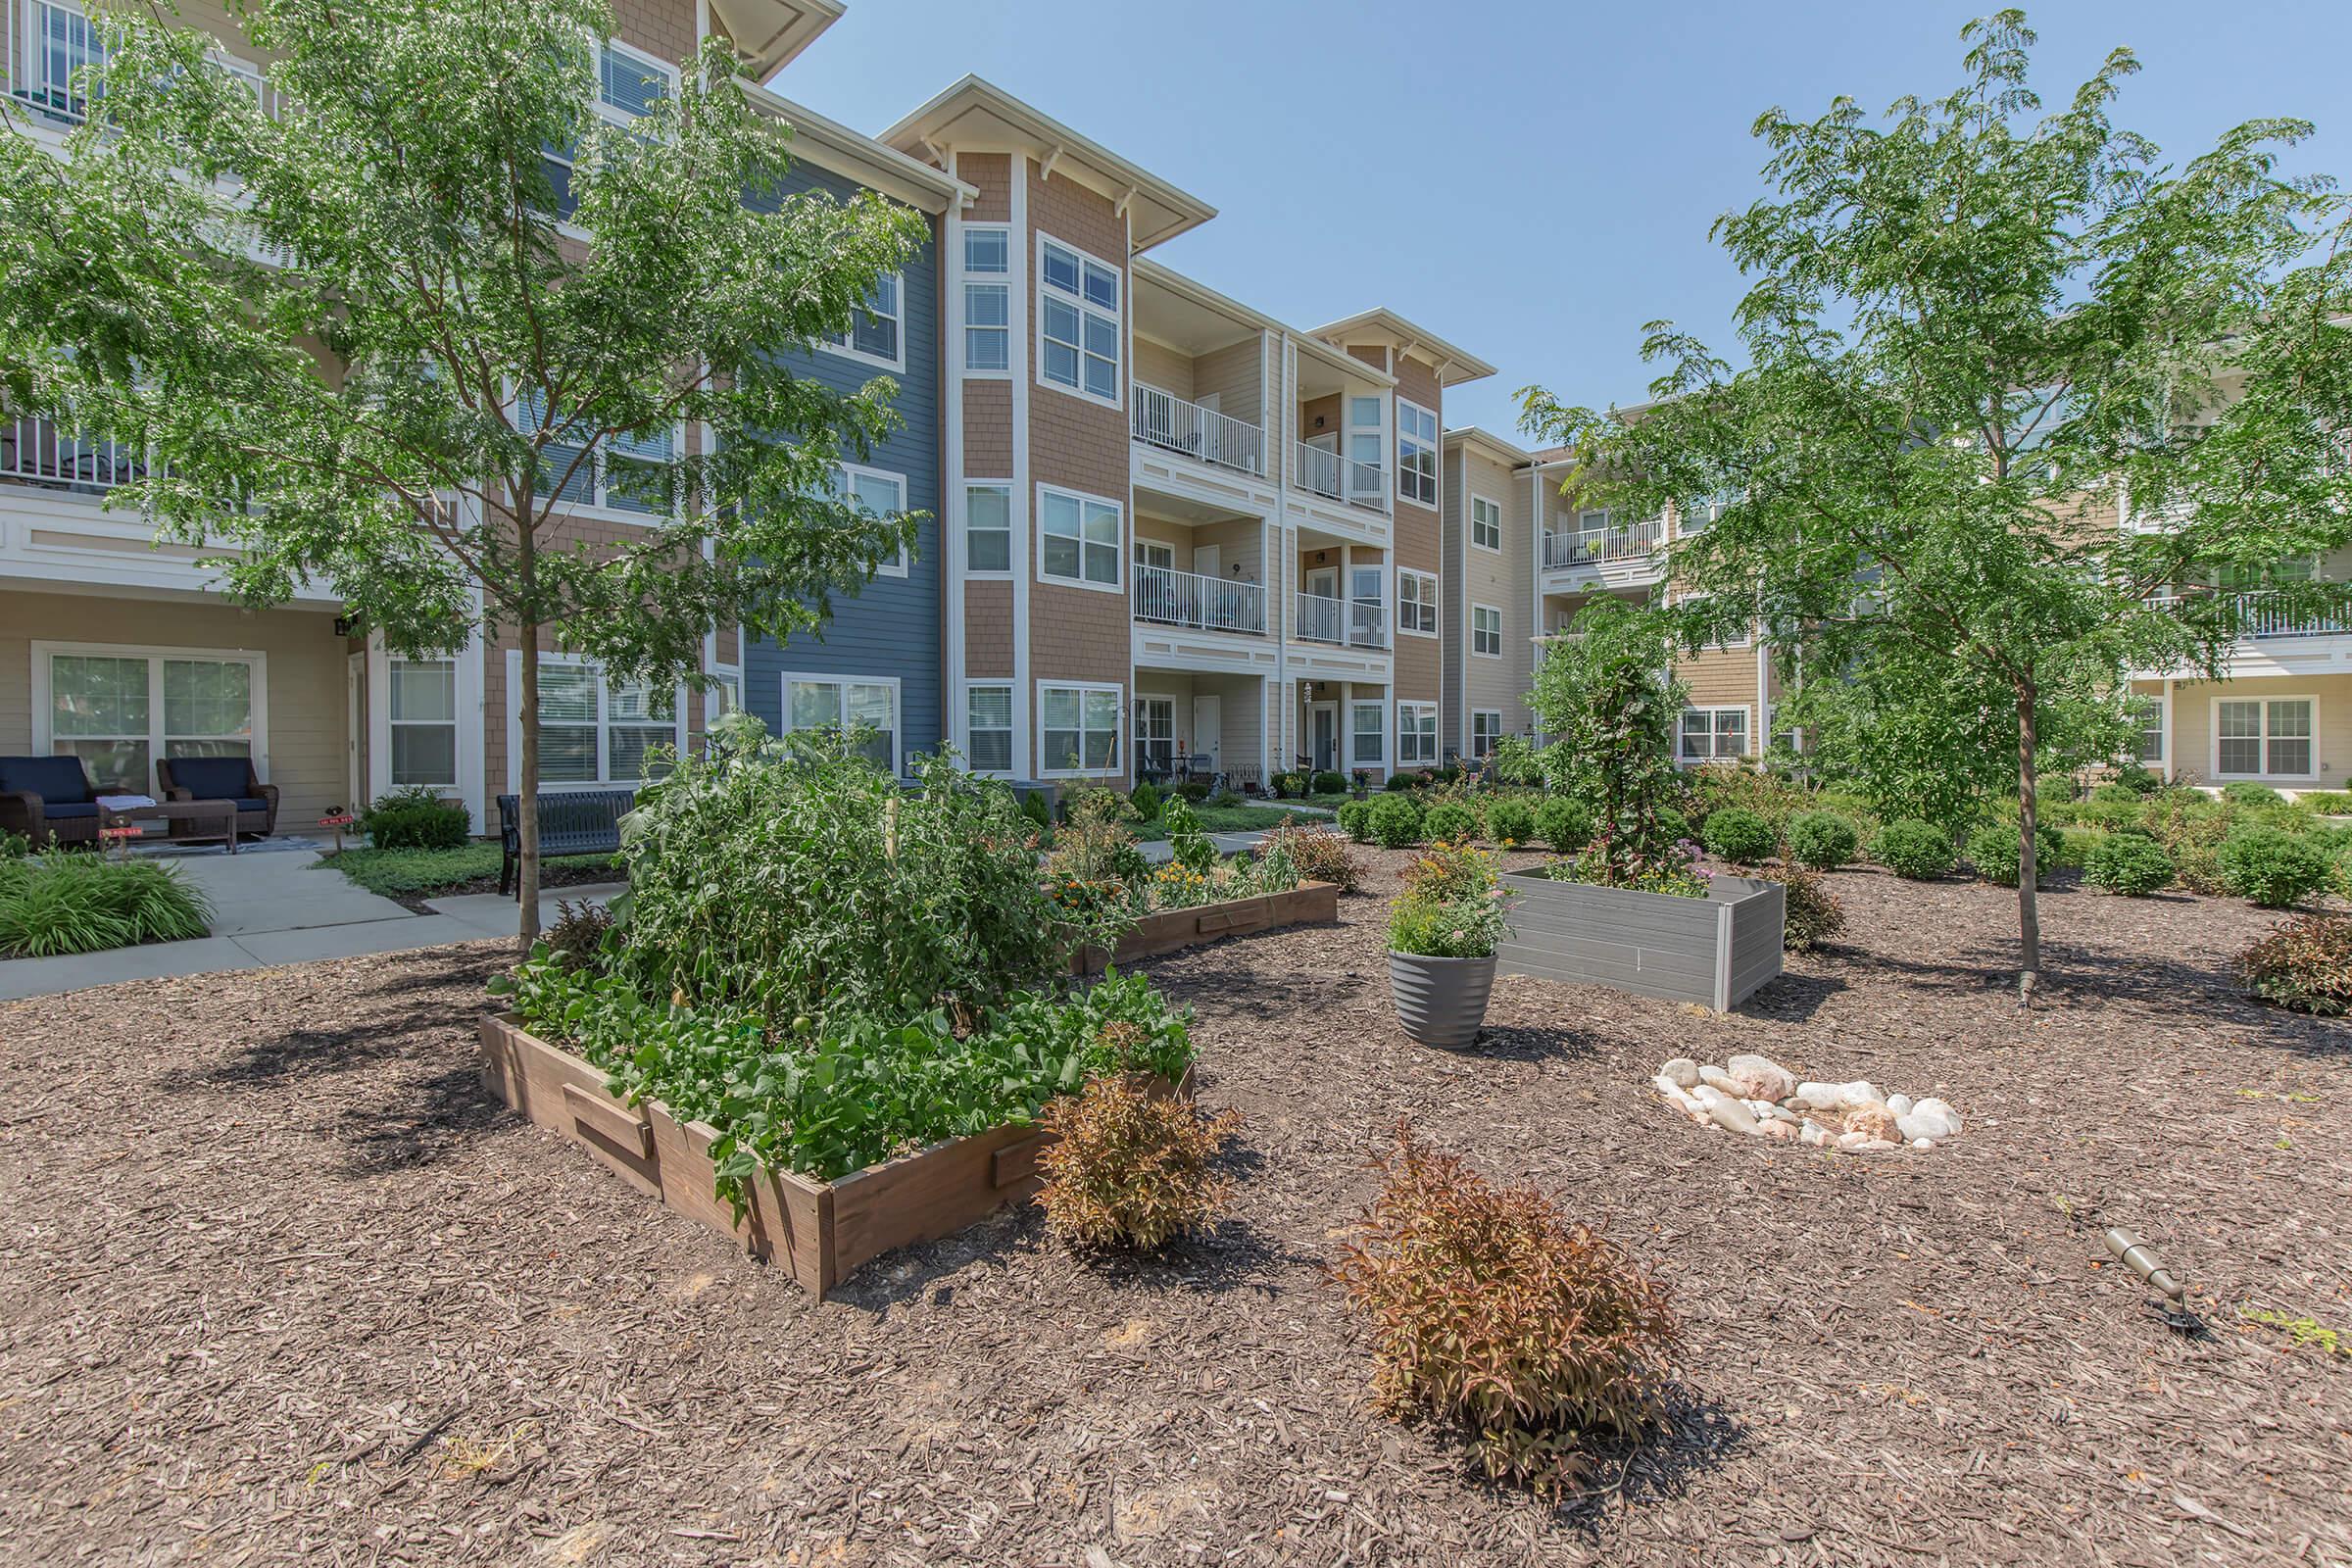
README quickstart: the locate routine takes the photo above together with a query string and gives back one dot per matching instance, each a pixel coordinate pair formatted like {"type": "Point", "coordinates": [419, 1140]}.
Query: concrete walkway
{"type": "Point", "coordinates": [279, 905]}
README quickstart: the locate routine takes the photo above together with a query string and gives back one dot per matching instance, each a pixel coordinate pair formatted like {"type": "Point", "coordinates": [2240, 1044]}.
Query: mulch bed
{"type": "Point", "coordinates": [278, 1283]}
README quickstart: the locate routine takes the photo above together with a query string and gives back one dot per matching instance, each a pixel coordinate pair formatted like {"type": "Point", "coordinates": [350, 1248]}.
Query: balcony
{"type": "Point", "coordinates": [1612, 545]}
{"type": "Point", "coordinates": [1165, 596]}
{"type": "Point", "coordinates": [1340, 623]}
{"type": "Point", "coordinates": [1179, 425]}
{"type": "Point", "coordinates": [2260, 618]}
{"type": "Point", "coordinates": [1338, 478]}
{"type": "Point", "coordinates": [39, 451]}
{"type": "Point", "coordinates": [49, 45]}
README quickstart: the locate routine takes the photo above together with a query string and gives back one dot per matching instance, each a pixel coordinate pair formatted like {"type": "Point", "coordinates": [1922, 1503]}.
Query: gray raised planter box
{"type": "Point", "coordinates": [1714, 951]}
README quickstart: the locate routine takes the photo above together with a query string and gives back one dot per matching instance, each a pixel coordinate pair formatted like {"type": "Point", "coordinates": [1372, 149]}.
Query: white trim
{"type": "Point", "coordinates": [1024, 533]}
{"type": "Point", "coordinates": [1436, 736]}
{"type": "Point", "coordinates": [1471, 532]}
{"type": "Point", "coordinates": [44, 701]}
{"type": "Point", "coordinates": [860, 470]}
{"type": "Point", "coordinates": [1126, 548]}
{"type": "Point", "coordinates": [1500, 638]}
{"type": "Point", "coordinates": [1084, 307]}
{"type": "Point", "coordinates": [1747, 732]}
{"type": "Point", "coordinates": [1350, 705]}
{"type": "Point", "coordinates": [1470, 734]}
{"type": "Point", "coordinates": [899, 748]}
{"type": "Point", "coordinates": [844, 351]}
{"type": "Point", "coordinates": [1012, 724]}
{"type": "Point", "coordinates": [2213, 734]}
{"type": "Point", "coordinates": [963, 280]}
{"type": "Point", "coordinates": [1430, 581]}
{"type": "Point", "coordinates": [604, 779]}
{"type": "Point", "coordinates": [455, 721]}
{"type": "Point", "coordinates": [1437, 453]}
{"type": "Point", "coordinates": [1119, 761]}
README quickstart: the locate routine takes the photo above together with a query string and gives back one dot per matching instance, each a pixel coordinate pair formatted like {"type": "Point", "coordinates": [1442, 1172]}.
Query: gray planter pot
{"type": "Point", "coordinates": [1439, 1002]}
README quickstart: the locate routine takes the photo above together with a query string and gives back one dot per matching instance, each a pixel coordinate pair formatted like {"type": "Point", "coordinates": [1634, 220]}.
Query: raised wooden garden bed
{"type": "Point", "coordinates": [1169, 930]}
{"type": "Point", "coordinates": [1714, 951]}
{"type": "Point", "coordinates": [819, 1231]}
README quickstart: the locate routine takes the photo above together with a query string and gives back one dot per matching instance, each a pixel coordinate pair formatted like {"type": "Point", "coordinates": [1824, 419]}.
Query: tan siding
{"type": "Point", "coordinates": [1233, 374]}
{"type": "Point", "coordinates": [1164, 368]}
{"type": "Point", "coordinates": [662, 28]}
{"type": "Point", "coordinates": [2192, 757]}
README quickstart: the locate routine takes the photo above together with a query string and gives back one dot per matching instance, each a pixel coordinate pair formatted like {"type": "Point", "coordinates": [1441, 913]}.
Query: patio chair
{"type": "Point", "coordinates": [221, 778]}
{"type": "Point", "coordinates": [42, 797]}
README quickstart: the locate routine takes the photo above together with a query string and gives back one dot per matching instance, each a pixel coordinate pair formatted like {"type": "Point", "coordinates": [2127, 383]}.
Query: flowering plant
{"type": "Point", "coordinates": [1452, 906]}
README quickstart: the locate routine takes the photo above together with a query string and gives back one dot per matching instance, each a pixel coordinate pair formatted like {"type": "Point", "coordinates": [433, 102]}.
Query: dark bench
{"type": "Point", "coordinates": [220, 778]}
{"type": "Point", "coordinates": [571, 822]}
{"type": "Point", "coordinates": [44, 798]}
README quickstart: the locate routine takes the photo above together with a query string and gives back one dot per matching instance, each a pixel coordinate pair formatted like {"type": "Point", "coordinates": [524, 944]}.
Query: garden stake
{"type": "Point", "coordinates": [2133, 1254]}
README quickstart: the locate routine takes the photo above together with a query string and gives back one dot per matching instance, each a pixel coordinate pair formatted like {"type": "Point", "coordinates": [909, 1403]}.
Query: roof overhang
{"type": "Point", "coordinates": [977, 116]}
{"type": "Point", "coordinates": [854, 155]}
{"type": "Point", "coordinates": [1200, 312]}
{"type": "Point", "coordinates": [770, 34]}
{"type": "Point", "coordinates": [1509, 454]}
{"type": "Point", "coordinates": [1452, 365]}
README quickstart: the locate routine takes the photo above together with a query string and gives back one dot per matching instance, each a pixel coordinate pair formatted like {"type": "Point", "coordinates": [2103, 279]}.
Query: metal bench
{"type": "Point", "coordinates": [571, 822]}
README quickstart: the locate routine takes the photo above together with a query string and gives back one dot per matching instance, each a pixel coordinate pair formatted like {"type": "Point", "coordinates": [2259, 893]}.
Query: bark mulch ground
{"type": "Point", "coordinates": [278, 1284]}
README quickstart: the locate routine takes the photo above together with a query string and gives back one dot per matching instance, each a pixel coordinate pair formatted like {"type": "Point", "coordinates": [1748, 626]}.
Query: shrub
{"type": "Point", "coordinates": [415, 819]}
{"type": "Point", "coordinates": [64, 903]}
{"type": "Point", "coordinates": [1035, 809]}
{"type": "Point", "coordinates": [1194, 790]}
{"type": "Point", "coordinates": [1738, 835]}
{"type": "Point", "coordinates": [2305, 964]}
{"type": "Point", "coordinates": [1328, 782]}
{"type": "Point", "coordinates": [2326, 803]}
{"type": "Point", "coordinates": [1188, 845]}
{"type": "Point", "coordinates": [1320, 855]}
{"type": "Point", "coordinates": [1564, 824]}
{"type": "Point", "coordinates": [1489, 1311]}
{"type": "Point", "coordinates": [1404, 781]}
{"type": "Point", "coordinates": [2128, 863]}
{"type": "Point", "coordinates": [1813, 914]}
{"type": "Point", "coordinates": [1449, 906]}
{"type": "Point", "coordinates": [1821, 840]}
{"type": "Point", "coordinates": [1355, 820]}
{"type": "Point", "coordinates": [576, 941]}
{"type": "Point", "coordinates": [1997, 851]}
{"type": "Point", "coordinates": [2245, 792]}
{"type": "Point", "coordinates": [2138, 780]}
{"type": "Point", "coordinates": [1144, 801]}
{"type": "Point", "coordinates": [1450, 821]}
{"type": "Point", "coordinates": [2272, 868]}
{"type": "Point", "coordinates": [1129, 1170]}
{"type": "Point", "coordinates": [1511, 821]}
{"type": "Point", "coordinates": [1917, 850]}
{"type": "Point", "coordinates": [1394, 821]}
{"type": "Point", "coordinates": [14, 846]}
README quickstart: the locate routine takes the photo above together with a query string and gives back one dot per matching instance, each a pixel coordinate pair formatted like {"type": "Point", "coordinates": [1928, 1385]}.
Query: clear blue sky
{"type": "Point", "coordinates": [1530, 180]}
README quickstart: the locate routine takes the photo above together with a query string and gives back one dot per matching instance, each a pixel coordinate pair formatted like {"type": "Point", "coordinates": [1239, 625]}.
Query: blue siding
{"type": "Point", "coordinates": [892, 629]}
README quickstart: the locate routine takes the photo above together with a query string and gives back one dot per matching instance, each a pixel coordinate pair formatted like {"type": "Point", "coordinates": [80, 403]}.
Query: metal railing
{"type": "Point", "coordinates": [41, 452]}
{"type": "Point", "coordinates": [1604, 546]}
{"type": "Point", "coordinates": [1341, 622]}
{"type": "Point", "coordinates": [1171, 598]}
{"type": "Point", "coordinates": [1338, 478]}
{"type": "Point", "coordinates": [1164, 419]}
{"type": "Point", "coordinates": [2258, 615]}
{"type": "Point", "coordinates": [48, 46]}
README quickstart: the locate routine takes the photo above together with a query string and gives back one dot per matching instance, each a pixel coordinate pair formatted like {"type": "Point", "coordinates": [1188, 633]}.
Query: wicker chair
{"type": "Point", "coordinates": [222, 778]}
{"type": "Point", "coordinates": [44, 798]}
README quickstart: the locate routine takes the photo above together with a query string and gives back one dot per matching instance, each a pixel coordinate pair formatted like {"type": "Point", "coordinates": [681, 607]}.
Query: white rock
{"type": "Point", "coordinates": [1931, 1119]}
{"type": "Point", "coordinates": [1923, 1143]}
{"type": "Point", "coordinates": [1683, 1070]}
{"type": "Point", "coordinates": [1761, 1077]}
{"type": "Point", "coordinates": [1782, 1113]}
{"type": "Point", "coordinates": [1900, 1104]}
{"type": "Point", "coordinates": [1938, 1107]}
{"type": "Point", "coordinates": [1731, 1113]}
{"type": "Point", "coordinates": [1717, 1078]}
{"type": "Point", "coordinates": [1813, 1134]}
{"type": "Point", "coordinates": [1762, 1109]}
{"type": "Point", "coordinates": [1816, 1096]}
{"type": "Point", "coordinates": [1852, 1141]}
{"type": "Point", "coordinates": [1707, 1093]}
{"type": "Point", "coordinates": [1856, 1094]}
{"type": "Point", "coordinates": [1878, 1146]}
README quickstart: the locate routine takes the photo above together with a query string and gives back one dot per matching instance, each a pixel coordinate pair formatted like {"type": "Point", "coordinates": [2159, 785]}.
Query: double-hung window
{"type": "Point", "coordinates": [634, 472]}
{"type": "Point", "coordinates": [1713, 734]}
{"type": "Point", "coordinates": [594, 730]}
{"type": "Point", "coordinates": [1416, 453]}
{"type": "Point", "coordinates": [877, 493]}
{"type": "Point", "coordinates": [1080, 730]}
{"type": "Point", "coordinates": [1417, 602]}
{"type": "Point", "coordinates": [844, 704]}
{"type": "Point", "coordinates": [2147, 722]}
{"type": "Point", "coordinates": [628, 84]}
{"type": "Point", "coordinates": [988, 721]}
{"type": "Point", "coordinates": [877, 328]}
{"type": "Point", "coordinates": [2271, 737]}
{"type": "Point", "coordinates": [1486, 630]}
{"type": "Point", "coordinates": [987, 299]}
{"type": "Point", "coordinates": [421, 696]}
{"type": "Point", "coordinates": [1485, 728]}
{"type": "Point", "coordinates": [987, 527]}
{"type": "Point", "coordinates": [1485, 524]}
{"type": "Point", "coordinates": [1369, 723]}
{"type": "Point", "coordinates": [1078, 321]}
{"type": "Point", "coordinates": [1416, 734]}
{"type": "Point", "coordinates": [1079, 539]}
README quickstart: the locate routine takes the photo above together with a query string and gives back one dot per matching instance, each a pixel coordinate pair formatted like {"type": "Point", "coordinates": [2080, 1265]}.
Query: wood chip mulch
{"type": "Point", "coordinates": [279, 1284]}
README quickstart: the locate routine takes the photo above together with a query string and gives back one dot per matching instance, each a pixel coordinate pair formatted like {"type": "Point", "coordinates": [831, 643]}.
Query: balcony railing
{"type": "Point", "coordinates": [1596, 547]}
{"type": "Point", "coordinates": [1341, 622]}
{"type": "Point", "coordinates": [42, 453]}
{"type": "Point", "coordinates": [1170, 598]}
{"type": "Point", "coordinates": [48, 48]}
{"type": "Point", "coordinates": [1164, 419]}
{"type": "Point", "coordinates": [2260, 616]}
{"type": "Point", "coordinates": [1338, 478]}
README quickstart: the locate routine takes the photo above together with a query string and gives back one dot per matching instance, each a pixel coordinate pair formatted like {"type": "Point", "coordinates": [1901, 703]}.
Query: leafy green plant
{"type": "Point", "coordinates": [65, 902]}
{"type": "Point", "coordinates": [1994, 852]}
{"type": "Point", "coordinates": [1451, 904]}
{"type": "Point", "coordinates": [1916, 851]}
{"type": "Point", "coordinates": [2128, 863]}
{"type": "Point", "coordinates": [2245, 792]}
{"type": "Point", "coordinates": [1510, 822]}
{"type": "Point", "coordinates": [1394, 821]}
{"type": "Point", "coordinates": [1738, 835]}
{"type": "Point", "coordinates": [1319, 854]}
{"type": "Point", "coordinates": [415, 819]}
{"type": "Point", "coordinates": [578, 939]}
{"type": "Point", "coordinates": [1535, 1337]}
{"type": "Point", "coordinates": [1821, 840]}
{"type": "Point", "coordinates": [1186, 841]}
{"type": "Point", "coordinates": [1564, 824]}
{"type": "Point", "coordinates": [1676, 875]}
{"type": "Point", "coordinates": [429, 874]}
{"type": "Point", "coordinates": [1608, 697]}
{"type": "Point", "coordinates": [1450, 821]}
{"type": "Point", "coordinates": [1328, 782]}
{"type": "Point", "coordinates": [14, 846]}
{"type": "Point", "coordinates": [2272, 867]}
{"type": "Point", "coordinates": [1130, 1170]}
{"type": "Point", "coordinates": [2306, 964]}
{"type": "Point", "coordinates": [1144, 801]}
{"type": "Point", "coordinates": [1356, 820]}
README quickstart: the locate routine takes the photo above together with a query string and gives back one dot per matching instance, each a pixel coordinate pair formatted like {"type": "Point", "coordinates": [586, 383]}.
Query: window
{"type": "Point", "coordinates": [1485, 728]}
{"type": "Point", "coordinates": [987, 305]}
{"type": "Point", "coordinates": [2274, 737]}
{"type": "Point", "coordinates": [1363, 450]}
{"type": "Point", "coordinates": [60, 43]}
{"type": "Point", "coordinates": [1713, 734]}
{"type": "Point", "coordinates": [847, 706]}
{"type": "Point", "coordinates": [1079, 733]}
{"type": "Point", "coordinates": [1692, 515]}
{"type": "Point", "coordinates": [1416, 734]}
{"type": "Point", "coordinates": [123, 710]}
{"type": "Point", "coordinates": [987, 527]}
{"type": "Point", "coordinates": [633, 474]}
{"type": "Point", "coordinates": [1077, 321]}
{"type": "Point", "coordinates": [423, 707]}
{"type": "Point", "coordinates": [1486, 631]}
{"type": "Point", "coordinates": [1417, 602]}
{"type": "Point", "coordinates": [1365, 722]}
{"type": "Point", "coordinates": [1155, 735]}
{"type": "Point", "coordinates": [988, 711]}
{"type": "Point", "coordinates": [1416, 453]}
{"type": "Point", "coordinates": [1485, 524]}
{"type": "Point", "coordinates": [877, 494]}
{"type": "Point", "coordinates": [2148, 714]}
{"type": "Point", "coordinates": [592, 731]}
{"type": "Point", "coordinates": [628, 84]}
{"type": "Point", "coordinates": [1081, 539]}
{"type": "Point", "coordinates": [875, 333]}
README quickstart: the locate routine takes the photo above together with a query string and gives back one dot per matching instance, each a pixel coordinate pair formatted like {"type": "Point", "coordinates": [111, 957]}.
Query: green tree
{"type": "Point", "coordinates": [1607, 701]}
{"type": "Point", "coordinates": [1973, 332]}
{"type": "Point", "coordinates": [356, 319]}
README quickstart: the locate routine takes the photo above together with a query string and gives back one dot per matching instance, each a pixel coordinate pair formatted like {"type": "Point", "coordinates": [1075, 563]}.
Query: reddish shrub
{"type": "Point", "coordinates": [1128, 1170]}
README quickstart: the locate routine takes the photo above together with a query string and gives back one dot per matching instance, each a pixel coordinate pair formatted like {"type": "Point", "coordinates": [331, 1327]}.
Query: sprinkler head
{"type": "Point", "coordinates": [2130, 1252]}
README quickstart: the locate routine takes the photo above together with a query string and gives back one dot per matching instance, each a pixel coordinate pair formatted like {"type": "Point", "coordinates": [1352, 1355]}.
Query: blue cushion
{"type": "Point", "coordinates": [214, 778]}
{"type": "Point", "coordinates": [252, 802]}
{"type": "Point", "coordinates": [55, 812]}
{"type": "Point", "coordinates": [57, 780]}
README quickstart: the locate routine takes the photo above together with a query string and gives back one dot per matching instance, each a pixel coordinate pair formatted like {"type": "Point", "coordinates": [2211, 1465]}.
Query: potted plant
{"type": "Point", "coordinates": [1443, 932]}
{"type": "Point", "coordinates": [1363, 782]}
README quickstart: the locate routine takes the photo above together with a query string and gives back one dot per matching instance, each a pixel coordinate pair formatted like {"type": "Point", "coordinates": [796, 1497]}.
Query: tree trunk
{"type": "Point", "coordinates": [2028, 907]}
{"type": "Point", "coordinates": [527, 708]}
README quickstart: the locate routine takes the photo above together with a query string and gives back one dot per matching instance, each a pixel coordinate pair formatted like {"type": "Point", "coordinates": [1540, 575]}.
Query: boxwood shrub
{"type": "Point", "coordinates": [2274, 869]}
{"type": "Point", "coordinates": [2130, 863]}
{"type": "Point", "coordinates": [1995, 852]}
{"type": "Point", "coordinates": [1920, 852]}
{"type": "Point", "coordinates": [415, 819]}
{"type": "Point", "coordinates": [1450, 821]}
{"type": "Point", "coordinates": [1328, 782]}
{"type": "Point", "coordinates": [1738, 835]}
{"type": "Point", "coordinates": [1394, 821]}
{"type": "Point", "coordinates": [1356, 820]}
{"type": "Point", "coordinates": [1511, 821]}
{"type": "Point", "coordinates": [2245, 792]}
{"type": "Point", "coordinates": [1821, 840]}
{"type": "Point", "coordinates": [1564, 824]}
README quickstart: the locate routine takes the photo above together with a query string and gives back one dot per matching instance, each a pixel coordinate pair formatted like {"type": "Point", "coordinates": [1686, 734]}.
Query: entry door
{"type": "Point", "coordinates": [1323, 582]}
{"type": "Point", "coordinates": [1209, 728]}
{"type": "Point", "coordinates": [1323, 724]}
{"type": "Point", "coordinates": [1206, 559]}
